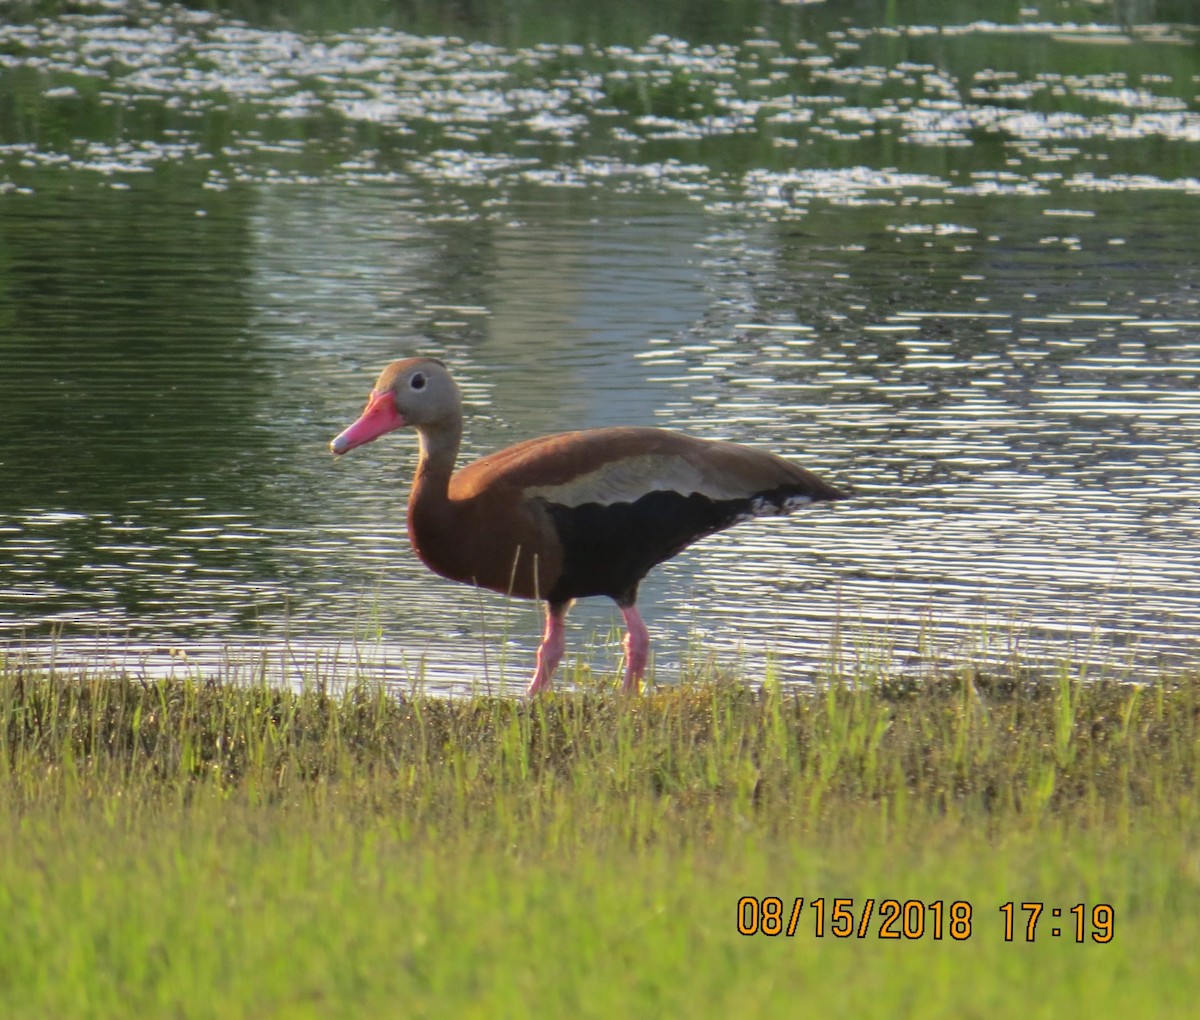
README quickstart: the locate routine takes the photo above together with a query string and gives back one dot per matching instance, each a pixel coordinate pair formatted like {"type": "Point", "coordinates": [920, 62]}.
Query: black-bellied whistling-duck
{"type": "Point", "coordinates": [570, 515]}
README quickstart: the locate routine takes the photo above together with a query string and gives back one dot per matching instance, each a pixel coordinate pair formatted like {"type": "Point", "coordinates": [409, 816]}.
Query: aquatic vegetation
{"type": "Point", "coordinates": [237, 96]}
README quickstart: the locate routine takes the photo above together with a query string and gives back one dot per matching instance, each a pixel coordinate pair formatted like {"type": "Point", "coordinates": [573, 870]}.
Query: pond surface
{"type": "Point", "coordinates": [948, 259]}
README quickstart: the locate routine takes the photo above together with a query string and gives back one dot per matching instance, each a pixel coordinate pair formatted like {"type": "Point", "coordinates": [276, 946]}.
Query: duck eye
{"type": "Point", "coordinates": [417, 382]}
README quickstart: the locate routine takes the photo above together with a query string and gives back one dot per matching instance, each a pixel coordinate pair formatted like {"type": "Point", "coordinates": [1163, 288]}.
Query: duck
{"type": "Point", "coordinates": [571, 515]}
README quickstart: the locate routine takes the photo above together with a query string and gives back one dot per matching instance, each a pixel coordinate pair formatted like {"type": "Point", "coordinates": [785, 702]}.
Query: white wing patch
{"type": "Point", "coordinates": [630, 478]}
{"type": "Point", "coordinates": [627, 480]}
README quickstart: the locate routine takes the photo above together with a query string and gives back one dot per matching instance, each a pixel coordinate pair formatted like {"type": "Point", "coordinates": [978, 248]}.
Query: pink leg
{"type": "Point", "coordinates": [550, 651]}
{"type": "Point", "coordinates": [637, 649]}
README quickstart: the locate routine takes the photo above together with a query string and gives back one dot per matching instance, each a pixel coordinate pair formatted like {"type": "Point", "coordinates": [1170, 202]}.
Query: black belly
{"type": "Point", "coordinates": [607, 550]}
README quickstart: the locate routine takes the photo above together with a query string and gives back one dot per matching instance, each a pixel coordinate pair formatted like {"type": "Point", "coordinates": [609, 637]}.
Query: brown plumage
{"type": "Point", "coordinates": [571, 515]}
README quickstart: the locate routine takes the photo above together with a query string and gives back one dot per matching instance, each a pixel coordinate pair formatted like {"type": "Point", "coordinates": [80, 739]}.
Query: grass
{"type": "Point", "coordinates": [192, 848]}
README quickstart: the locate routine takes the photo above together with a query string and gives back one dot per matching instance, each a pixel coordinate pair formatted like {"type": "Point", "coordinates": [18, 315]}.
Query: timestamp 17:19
{"type": "Point", "coordinates": [1102, 917]}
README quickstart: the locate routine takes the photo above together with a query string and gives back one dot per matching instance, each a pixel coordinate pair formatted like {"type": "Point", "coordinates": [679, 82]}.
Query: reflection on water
{"type": "Point", "coordinates": [780, 242]}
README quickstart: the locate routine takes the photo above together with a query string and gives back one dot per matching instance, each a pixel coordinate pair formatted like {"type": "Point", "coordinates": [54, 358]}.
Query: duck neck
{"type": "Point", "coordinates": [435, 465]}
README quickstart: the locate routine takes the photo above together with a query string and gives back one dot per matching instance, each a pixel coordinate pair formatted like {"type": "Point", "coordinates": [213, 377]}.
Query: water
{"type": "Point", "coordinates": [949, 262]}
